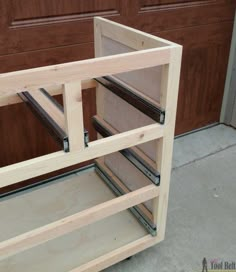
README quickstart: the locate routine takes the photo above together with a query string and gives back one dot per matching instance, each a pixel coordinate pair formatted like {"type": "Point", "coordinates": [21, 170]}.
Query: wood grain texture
{"type": "Point", "coordinates": [169, 98]}
{"type": "Point", "coordinates": [120, 166]}
{"type": "Point", "coordinates": [73, 109]}
{"type": "Point", "coordinates": [52, 90]}
{"type": "Point", "coordinates": [43, 11]}
{"type": "Point", "coordinates": [116, 111]}
{"type": "Point", "coordinates": [14, 82]}
{"type": "Point", "coordinates": [71, 75]}
{"type": "Point", "coordinates": [205, 58]}
{"type": "Point", "coordinates": [76, 221]}
{"type": "Point", "coordinates": [149, 5]}
{"type": "Point", "coordinates": [50, 108]}
{"type": "Point", "coordinates": [203, 27]}
{"type": "Point", "coordinates": [45, 164]}
{"type": "Point", "coordinates": [123, 187]}
{"type": "Point", "coordinates": [117, 255]}
{"type": "Point", "coordinates": [14, 146]}
{"type": "Point", "coordinates": [64, 198]}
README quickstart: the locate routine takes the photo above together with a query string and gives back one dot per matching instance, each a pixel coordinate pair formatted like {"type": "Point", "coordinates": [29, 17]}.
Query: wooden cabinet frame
{"type": "Point", "coordinates": [70, 79]}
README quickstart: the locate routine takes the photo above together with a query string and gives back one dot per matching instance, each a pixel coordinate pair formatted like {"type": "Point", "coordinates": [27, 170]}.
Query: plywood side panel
{"type": "Point", "coordinates": [128, 173]}
{"type": "Point", "coordinates": [123, 117]}
{"type": "Point", "coordinates": [146, 81]}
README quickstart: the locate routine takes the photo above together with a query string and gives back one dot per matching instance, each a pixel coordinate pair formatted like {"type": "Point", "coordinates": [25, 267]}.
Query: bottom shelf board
{"type": "Point", "coordinates": [46, 203]}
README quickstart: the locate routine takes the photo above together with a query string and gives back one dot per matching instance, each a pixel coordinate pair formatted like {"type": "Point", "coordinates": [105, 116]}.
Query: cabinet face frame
{"type": "Point", "coordinates": [70, 79]}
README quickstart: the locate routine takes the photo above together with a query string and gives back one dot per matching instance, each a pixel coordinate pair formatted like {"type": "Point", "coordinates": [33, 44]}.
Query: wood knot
{"type": "Point", "coordinates": [141, 136]}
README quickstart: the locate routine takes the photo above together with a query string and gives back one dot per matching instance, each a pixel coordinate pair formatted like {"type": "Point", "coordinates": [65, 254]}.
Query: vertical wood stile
{"type": "Point", "coordinates": [72, 97]}
{"type": "Point", "coordinates": [169, 97]}
{"type": "Point", "coordinates": [99, 53]}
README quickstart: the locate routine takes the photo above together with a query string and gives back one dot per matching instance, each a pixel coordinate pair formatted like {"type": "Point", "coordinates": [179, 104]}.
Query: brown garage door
{"type": "Point", "coordinates": [43, 32]}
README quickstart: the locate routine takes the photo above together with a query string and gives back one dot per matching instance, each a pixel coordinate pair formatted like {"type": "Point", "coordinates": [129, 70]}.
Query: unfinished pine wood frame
{"type": "Point", "coordinates": [137, 60]}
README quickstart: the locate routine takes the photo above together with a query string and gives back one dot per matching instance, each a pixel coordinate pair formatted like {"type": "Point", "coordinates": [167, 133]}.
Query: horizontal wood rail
{"type": "Point", "coordinates": [68, 224]}
{"type": "Point", "coordinates": [118, 255]}
{"type": "Point", "coordinates": [135, 149]}
{"type": "Point", "coordinates": [14, 82]}
{"type": "Point", "coordinates": [123, 187]}
{"type": "Point", "coordinates": [137, 159]}
{"type": "Point", "coordinates": [45, 164]}
{"type": "Point", "coordinates": [11, 99]}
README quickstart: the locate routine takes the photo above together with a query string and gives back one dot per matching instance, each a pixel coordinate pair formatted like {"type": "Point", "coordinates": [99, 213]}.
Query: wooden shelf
{"type": "Point", "coordinates": [46, 203]}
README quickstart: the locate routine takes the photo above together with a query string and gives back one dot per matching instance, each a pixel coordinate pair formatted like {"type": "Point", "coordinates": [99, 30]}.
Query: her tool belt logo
{"type": "Point", "coordinates": [217, 265]}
